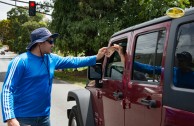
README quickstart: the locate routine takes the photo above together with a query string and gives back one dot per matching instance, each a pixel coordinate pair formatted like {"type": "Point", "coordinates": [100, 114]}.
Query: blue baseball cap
{"type": "Point", "coordinates": [40, 35]}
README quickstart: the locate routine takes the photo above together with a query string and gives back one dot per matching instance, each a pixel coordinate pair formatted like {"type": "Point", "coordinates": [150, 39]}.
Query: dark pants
{"type": "Point", "coordinates": [34, 121]}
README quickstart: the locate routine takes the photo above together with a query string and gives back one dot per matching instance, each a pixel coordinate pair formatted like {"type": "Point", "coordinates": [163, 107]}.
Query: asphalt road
{"type": "Point", "coordinates": [60, 89]}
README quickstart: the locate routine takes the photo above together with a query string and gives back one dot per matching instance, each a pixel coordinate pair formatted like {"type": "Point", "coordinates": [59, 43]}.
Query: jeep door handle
{"type": "Point", "coordinates": [149, 103]}
{"type": "Point", "coordinates": [118, 95]}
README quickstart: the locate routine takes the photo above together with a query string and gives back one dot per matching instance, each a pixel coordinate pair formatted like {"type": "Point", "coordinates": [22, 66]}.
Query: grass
{"type": "Point", "coordinates": [73, 77]}
{"type": "Point", "coordinates": [1, 44]}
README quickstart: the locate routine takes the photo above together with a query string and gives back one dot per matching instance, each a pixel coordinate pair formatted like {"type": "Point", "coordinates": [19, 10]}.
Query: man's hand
{"type": "Point", "coordinates": [118, 48]}
{"type": "Point", "coordinates": [12, 122]}
{"type": "Point", "coordinates": [101, 53]}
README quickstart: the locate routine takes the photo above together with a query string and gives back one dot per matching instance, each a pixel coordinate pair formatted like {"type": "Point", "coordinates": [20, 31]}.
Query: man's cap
{"type": "Point", "coordinates": [184, 56]}
{"type": "Point", "coordinates": [40, 35]}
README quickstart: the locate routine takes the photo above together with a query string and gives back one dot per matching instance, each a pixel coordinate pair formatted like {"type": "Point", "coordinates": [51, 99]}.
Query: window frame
{"type": "Point", "coordinates": [110, 60]}
{"type": "Point", "coordinates": [134, 52]}
{"type": "Point", "coordinates": [175, 97]}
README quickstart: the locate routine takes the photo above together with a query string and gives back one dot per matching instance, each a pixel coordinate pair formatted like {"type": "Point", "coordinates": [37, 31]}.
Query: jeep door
{"type": "Point", "coordinates": [179, 86]}
{"type": "Point", "coordinates": [144, 90]}
{"type": "Point", "coordinates": [113, 85]}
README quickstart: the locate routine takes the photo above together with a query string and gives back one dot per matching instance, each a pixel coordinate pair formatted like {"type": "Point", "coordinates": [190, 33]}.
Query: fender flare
{"type": "Point", "coordinates": [84, 104]}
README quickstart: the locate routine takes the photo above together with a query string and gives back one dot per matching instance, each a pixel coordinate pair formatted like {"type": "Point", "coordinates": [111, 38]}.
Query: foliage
{"type": "Point", "coordinates": [5, 28]}
{"type": "Point", "coordinates": [45, 6]}
{"type": "Point", "coordinates": [86, 25]}
{"type": "Point", "coordinates": [1, 45]}
{"type": "Point", "coordinates": [158, 8]}
{"type": "Point", "coordinates": [18, 14]}
{"type": "Point", "coordinates": [18, 27]}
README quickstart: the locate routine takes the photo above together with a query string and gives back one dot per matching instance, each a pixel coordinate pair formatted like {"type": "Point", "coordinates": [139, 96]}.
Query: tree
{"type": "Point", "coordinates": [5, 28]}
{"type": "Point", "coordinates": [82, 25]}
{"type": "Point", "coordinates": [21, 25]}
{"type": "Point", "coordinates": [24, 38]}
{"type": "Point", "coordinates": [86, 25]}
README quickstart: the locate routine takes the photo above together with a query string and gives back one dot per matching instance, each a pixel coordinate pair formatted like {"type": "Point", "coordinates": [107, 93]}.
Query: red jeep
{"type": "Point", "coordinates": [154, 86]}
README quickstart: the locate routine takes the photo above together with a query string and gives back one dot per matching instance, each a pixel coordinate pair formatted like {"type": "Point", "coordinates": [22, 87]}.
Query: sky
{"type": "Point", "coordinates": [4, 8]}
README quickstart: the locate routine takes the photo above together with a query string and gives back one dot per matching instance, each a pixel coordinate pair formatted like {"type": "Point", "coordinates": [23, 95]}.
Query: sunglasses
{"type": "Point", "coordinates": [50, 41]}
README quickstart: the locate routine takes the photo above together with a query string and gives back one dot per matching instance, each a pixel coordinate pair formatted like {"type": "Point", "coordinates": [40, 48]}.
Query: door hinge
{"type": "Point", "coordinates": [98, 120]}
{"type": "Point", "coordinates": [126, 103]}
{"type": "Point", "coordinates": [99, 94]}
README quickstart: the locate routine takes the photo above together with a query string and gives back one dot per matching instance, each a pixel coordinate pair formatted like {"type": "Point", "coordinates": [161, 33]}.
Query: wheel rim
{"type": "Point", "coordinates": [73, 122]}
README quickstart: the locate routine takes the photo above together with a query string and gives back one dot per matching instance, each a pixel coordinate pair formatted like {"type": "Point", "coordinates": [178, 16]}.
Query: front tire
{"type": "Point", "coordinates": [74, 117]}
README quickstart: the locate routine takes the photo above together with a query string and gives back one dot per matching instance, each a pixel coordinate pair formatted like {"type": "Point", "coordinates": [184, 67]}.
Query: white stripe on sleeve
{"type": "Point", "coordinates": [6, 91]}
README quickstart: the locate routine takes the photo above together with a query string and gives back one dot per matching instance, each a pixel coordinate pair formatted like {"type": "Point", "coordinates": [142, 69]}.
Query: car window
{"type": "Point", "coordinates": [114, 66]}
{"type": "Point", "coordinates": [148, 56]}
{"type": "Point", "coordinates": [183, 70]}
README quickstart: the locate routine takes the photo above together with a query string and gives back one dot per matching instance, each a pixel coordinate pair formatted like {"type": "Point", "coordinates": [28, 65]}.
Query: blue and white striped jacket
{"type": "Point", "coordinates": [27, 87]}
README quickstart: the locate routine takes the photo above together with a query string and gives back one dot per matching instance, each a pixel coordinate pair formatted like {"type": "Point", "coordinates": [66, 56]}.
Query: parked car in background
{"type": "Point", "coordinates": [6, 48]}
{"type": "Point", "coordinates": [2, 53]}
{"type": "Point", "coordinates": [123, 94]}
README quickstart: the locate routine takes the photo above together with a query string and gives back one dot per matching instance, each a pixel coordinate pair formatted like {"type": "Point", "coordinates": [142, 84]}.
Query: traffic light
{"type": "Point", "coordinates": [32, 8]}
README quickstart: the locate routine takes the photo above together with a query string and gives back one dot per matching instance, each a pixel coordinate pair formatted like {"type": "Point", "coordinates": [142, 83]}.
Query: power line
{"type": "Point", "coordinates": [7, 3]}
{"type": "Point", "coordinates": [19, 1]}
{"type": "Point", "coordinates": [23, 7]}
{"type": "Point", "coordinates": [28, 2]}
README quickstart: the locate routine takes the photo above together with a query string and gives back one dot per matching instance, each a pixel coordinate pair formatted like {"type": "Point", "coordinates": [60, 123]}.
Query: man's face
{"type": "Point", "coordinates": [183, 60]}
{"type": "Point", "coordinates": [46, 47]}
{"type": "Point", "coordinates": [183, 64]}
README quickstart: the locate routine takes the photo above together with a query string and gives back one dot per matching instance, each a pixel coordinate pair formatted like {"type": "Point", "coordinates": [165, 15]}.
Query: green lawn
{"type": "Point", "coordinates": [74, 77]}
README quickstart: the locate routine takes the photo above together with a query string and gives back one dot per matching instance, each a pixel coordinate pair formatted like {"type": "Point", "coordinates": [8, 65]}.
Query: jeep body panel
{"type": "Point", "coordinates": [176, 117]}
{"type": "Point", "coordinates": [178, 103]}
{"type": "Point", "coordinates": [133, 112]}
{"type": "Point", "coordinates": [140, 93]}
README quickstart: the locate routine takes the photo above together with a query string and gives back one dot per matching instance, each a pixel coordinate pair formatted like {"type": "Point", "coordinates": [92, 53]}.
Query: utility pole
{"type": "Point", "coordinates": [25, 7]}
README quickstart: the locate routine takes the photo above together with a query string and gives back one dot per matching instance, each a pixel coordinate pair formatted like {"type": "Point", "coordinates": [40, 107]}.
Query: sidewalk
{"type": "Point", "coordinates": [8, 55]}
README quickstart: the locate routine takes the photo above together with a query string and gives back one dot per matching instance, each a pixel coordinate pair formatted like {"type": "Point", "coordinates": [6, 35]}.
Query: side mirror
{"type": "Point", "coordinates": [95, 72]}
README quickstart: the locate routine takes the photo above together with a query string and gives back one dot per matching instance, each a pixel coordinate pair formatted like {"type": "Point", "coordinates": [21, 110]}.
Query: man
{"type": "Point", "coordinates": [183, 73]}
{"type": "Point", "coordinates": [26, 92]}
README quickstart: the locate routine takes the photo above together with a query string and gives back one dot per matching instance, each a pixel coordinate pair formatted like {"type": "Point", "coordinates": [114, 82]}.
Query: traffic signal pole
{"type": "Point", "coordinates": [25, 7]}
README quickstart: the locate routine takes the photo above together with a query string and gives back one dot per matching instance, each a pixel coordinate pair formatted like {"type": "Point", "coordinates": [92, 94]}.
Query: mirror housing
{"type": "Point", "coordinates": [95, 72]}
